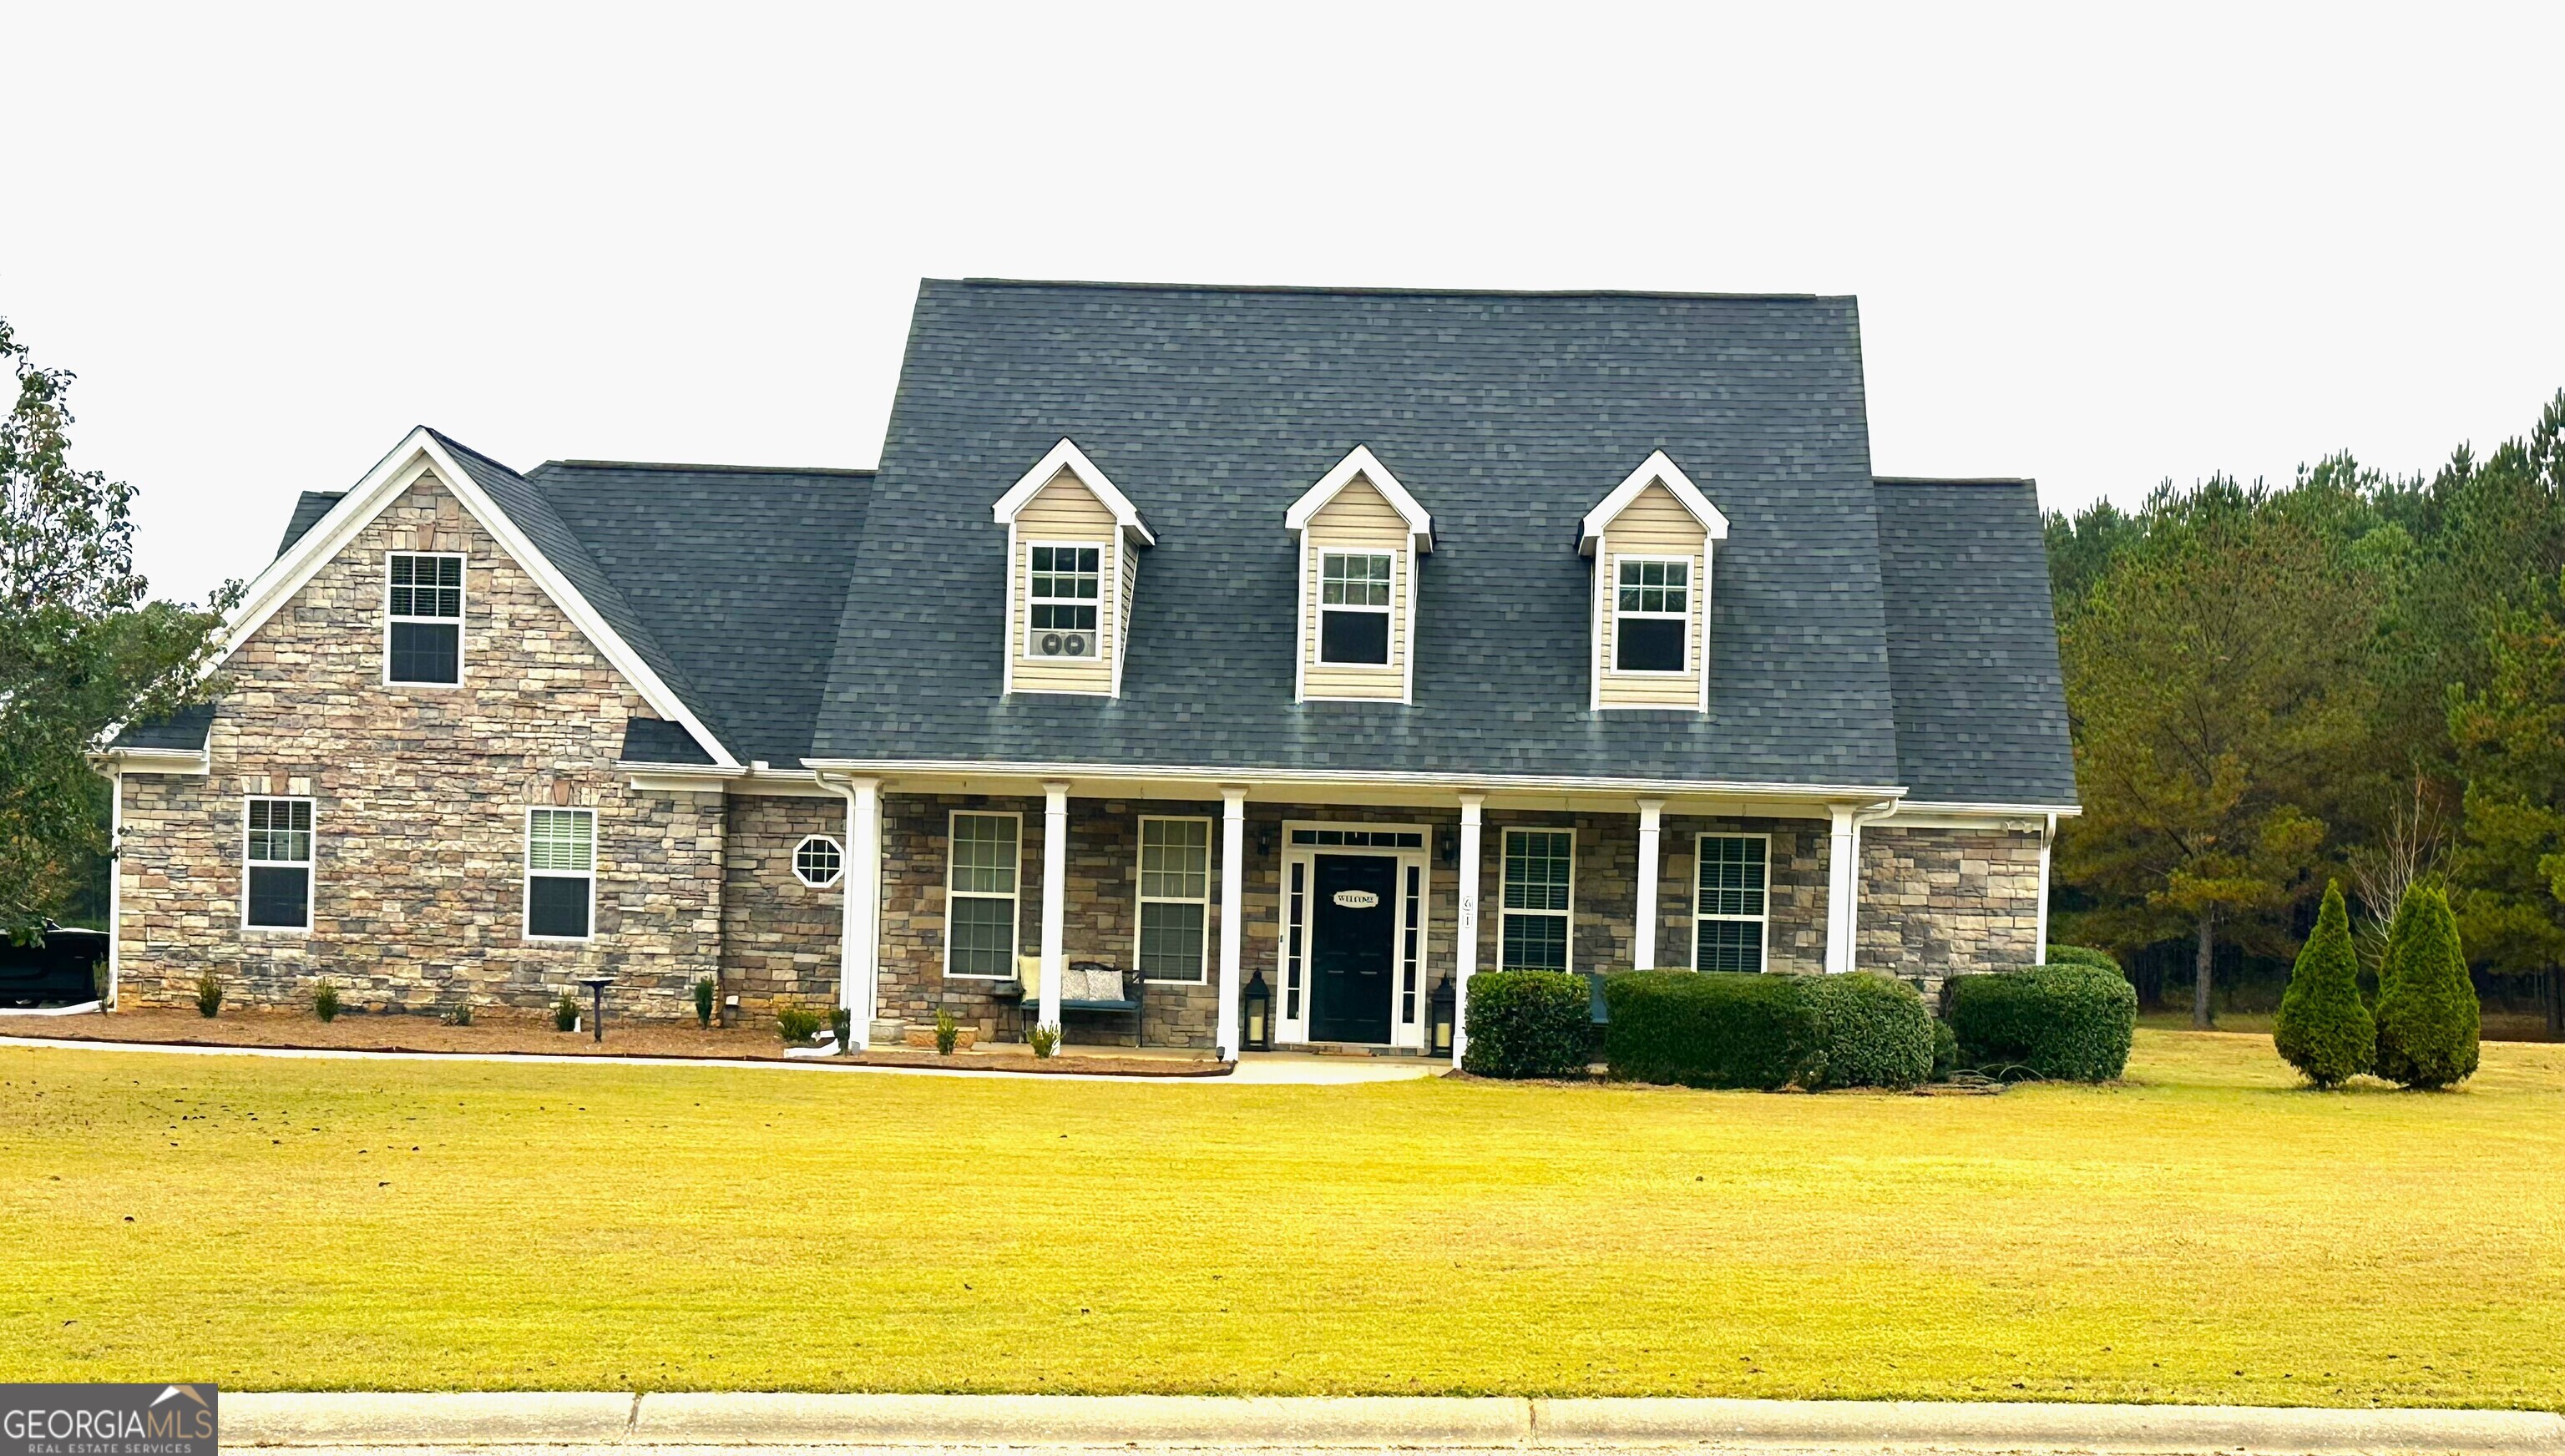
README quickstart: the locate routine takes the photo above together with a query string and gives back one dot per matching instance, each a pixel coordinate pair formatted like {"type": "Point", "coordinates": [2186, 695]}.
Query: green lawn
{"type": "Point", "coordinates": [2206, 1233]}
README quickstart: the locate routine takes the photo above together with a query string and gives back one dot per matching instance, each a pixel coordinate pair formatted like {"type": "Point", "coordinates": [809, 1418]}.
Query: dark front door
{"type": "Point", "coordinates": [1353, 938]}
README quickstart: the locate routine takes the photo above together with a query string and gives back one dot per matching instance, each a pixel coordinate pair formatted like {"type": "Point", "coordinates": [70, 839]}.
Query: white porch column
{"type": "Point", "coordinates": [1643, 936]}
{"type": "Point", "coordinates": [1055, 909]}
{"type": "Point", "coordinates": [1232, 910]}
{"type": "Point", "coordinates": [2047, 837]}
{"type": "Point", "coordinates": [1464, 960]}
{"type": "Point", "coordinates": [115, 883]}
{"type": "Point", "coordinates": [1844, 886]}
{"type": "Point", "coordinates": [860, 927]}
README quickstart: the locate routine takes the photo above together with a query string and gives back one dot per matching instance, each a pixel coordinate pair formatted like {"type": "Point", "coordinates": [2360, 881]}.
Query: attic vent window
{"type": "Point", "coordinates": [1067, 581]}
{"type": "Point", "coordinates": [1354, 608]}
{"type": "Point", "coordinates": [424, 640]}
{"type": "Point", "coordinates": [1654, 616]}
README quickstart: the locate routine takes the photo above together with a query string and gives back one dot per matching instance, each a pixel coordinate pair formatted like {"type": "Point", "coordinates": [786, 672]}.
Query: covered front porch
{"type": "Point", "coordinates": [1158, 910]}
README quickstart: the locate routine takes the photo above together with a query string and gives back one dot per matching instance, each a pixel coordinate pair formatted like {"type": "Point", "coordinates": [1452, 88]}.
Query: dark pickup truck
{"type": "Point", "coordinates": [63, 971]}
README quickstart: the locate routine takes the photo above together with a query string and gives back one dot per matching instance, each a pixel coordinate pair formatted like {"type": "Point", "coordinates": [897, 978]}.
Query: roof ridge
{"type": "Point", "coordinates": [1954, 480]}
{"type": "Point", "coordinates": [714, 469]}
{"type": "Point", "coordinates": [1387, 292]}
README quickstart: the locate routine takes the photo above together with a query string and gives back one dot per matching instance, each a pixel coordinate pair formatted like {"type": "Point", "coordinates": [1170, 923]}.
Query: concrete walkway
{"type": "Point", "coordinates": [1260, 1068]}
{"type": "Point", "coordinates": [840, 1424]}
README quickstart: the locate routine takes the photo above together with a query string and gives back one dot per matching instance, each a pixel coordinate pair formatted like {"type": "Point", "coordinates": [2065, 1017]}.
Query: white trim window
{"type": "Point", "coordinates": [1652, 615]}
{"type": "Point", "coordinates": [424, 619]}
{"type": "Point", "coordinates": [1541, 878]}
{"type": "Point", "coordinates": [1064, 593]}
{"type": "Point", "coordinates": [980, 914]}
{"type": "Point", "coordinates": [817, 861]}
{"type": "Point", "coordinates": [276, 848]}
{"type": "Point", "coordinates": [1732, 899]}
{"type": "Point", "coordinates": [560, 873]}
{"type": "Point", "coordinates": [1354, 608]}
{"type": "Point", "coordinates": [1175, 899]}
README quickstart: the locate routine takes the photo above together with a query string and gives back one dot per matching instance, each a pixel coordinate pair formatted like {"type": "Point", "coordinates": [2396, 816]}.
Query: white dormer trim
{"type": "Point", "coordinates": [1362, 462]}
{"type": "Point", "coordinates": [1658, 468]}
{"type": "Point", "coordinates": [1066, 456]}
{"type": "Point", "coordinates": [387, 482]}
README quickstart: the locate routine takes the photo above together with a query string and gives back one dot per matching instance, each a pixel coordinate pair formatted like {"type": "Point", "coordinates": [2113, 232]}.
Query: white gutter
{"type": "Point", "coordinates": [1366, 778]}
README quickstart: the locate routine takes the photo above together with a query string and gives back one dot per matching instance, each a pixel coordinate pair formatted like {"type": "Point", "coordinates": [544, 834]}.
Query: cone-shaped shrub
{"type": "Point", "coordinates": [2324, 1028]}
{"type": "Point", "coordinates": [2427, 1013]}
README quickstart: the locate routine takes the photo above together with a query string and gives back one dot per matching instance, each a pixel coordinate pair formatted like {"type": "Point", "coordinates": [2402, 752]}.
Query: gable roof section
{"type": "Point", "coordinates": [1656, 469]}
{"type": "Point", "coordinates": [184, 731]}
{"type": "Point", "coordinates": [1973, 644]}
{"type": "Point", "coordinates": [513, 511]}
{"type": "Point", "coordinates": [308, 511]}
{"type": "Point", "coordinates": [1066, 456]}
{"type": "Point", "coordinates": [1361, 462]}
{"type": "Point", "coordinates": [740, 573]}
{"type": "Point", "coordinates": [1501, 408]}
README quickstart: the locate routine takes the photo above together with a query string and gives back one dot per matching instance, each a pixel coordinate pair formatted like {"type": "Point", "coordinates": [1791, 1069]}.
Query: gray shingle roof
{"type": "Point", "coordinates": [1507, 414]}
{"type": "Point", "coordinates": [740, 572]}
{"type": "Point", "coordinates": [657, 741]}
{"type": "Point", "coordinates": [308, 511]}
{"type": "Point", "coordinates": [184, 730]}
{"type": "Point", "coordinates": [1973, 644]}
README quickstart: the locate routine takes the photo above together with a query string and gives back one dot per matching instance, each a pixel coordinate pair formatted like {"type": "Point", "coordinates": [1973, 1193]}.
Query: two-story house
{"type": "Point", "coordinates": [1348, 640]}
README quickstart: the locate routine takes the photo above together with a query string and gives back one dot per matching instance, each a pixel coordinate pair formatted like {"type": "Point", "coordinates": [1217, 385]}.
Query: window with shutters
{"type": "Point", "coordinates": [560, 873]}
{"type": "Point", "coordinates": [979, 896]}
{"type": "Point", "coordinates": [1731, 901]}
{"type": "Point", "coordinates": [423, 620]}
{"type": "Point", "coordinates": [1175, 899]}
{"type": "Point", "coordinates": [278, 854]}
{"type": "Point", "coordinates": [1539, 881]}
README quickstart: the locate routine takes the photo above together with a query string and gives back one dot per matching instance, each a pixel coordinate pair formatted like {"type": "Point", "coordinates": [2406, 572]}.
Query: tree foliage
{"type": "Point", "coordinates": [83, 647]}
{"type": "Point", "coordinates": [2426, 1006]}
{"type": "Point", "coordinates": [2324, 1028]}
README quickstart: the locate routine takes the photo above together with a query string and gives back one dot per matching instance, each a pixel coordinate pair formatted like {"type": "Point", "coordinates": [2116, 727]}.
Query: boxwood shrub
{"type": "Point", "coordinates": [1528, 1024]}
{"type": "Point", "coordinates": [1717, 1029]}
{"type": "Point", "coordinates": [1873, 1030]}
{"type": "Point", "coordinates": [2082, 955]}
{"type": "Point", "coordinates": [2070, 1023]}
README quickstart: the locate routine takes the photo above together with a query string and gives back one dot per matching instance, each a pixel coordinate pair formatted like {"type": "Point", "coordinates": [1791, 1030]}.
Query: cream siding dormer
{"type": "Point", "coordinates": [1650, 540]}
{"type": "Point", "coordinates": [1361, 537]}
{"type": "Point", "coordinates": [1072, 569]}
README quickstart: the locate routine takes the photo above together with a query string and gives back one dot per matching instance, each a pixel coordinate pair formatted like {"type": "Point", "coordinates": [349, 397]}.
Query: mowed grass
{"type": "Point", "coordinates": [2206, 1233]}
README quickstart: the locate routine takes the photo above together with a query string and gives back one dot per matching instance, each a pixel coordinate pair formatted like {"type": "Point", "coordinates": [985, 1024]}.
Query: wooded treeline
{"type": "Point", "coordinates": [2358, 677]}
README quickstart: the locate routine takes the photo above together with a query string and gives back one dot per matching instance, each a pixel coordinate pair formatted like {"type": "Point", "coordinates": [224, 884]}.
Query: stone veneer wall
{"type": "Point", "coordinates": [1606, 893]}
{"type": "Point", "coordinates": [1939, 903]}
{"type": "Point", "coordinates": [780, 937]}
{"type": "Point", "coordinates": [419, 808]}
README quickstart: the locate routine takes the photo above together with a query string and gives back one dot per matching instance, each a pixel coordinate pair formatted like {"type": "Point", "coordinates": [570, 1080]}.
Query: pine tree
{"type": "Point", "coordinates": [2324, 1030]}
{"type": "Point", "coordinates": [2426, 1007]}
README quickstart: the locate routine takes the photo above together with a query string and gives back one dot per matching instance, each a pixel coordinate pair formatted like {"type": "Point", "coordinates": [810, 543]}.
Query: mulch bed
{"type": "Point", "coordinates": [495, 1035]}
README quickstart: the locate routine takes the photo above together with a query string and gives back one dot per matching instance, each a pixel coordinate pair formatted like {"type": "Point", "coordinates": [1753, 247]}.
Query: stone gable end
{"type": "Point", "coordinates": [419, 806]}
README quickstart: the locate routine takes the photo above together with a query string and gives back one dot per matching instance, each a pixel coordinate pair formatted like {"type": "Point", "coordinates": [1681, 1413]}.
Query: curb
{"type": "Point", "coordinates": [761, 1418]}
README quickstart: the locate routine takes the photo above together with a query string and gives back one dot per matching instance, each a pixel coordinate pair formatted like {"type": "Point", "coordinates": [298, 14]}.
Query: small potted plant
{"type": "Point", "coordinates": [947, 1032]}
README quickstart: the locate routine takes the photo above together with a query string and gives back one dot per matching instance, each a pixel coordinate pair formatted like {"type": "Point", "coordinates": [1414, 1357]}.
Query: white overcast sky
{"type": "Point", "coordinates": [2100, 246]}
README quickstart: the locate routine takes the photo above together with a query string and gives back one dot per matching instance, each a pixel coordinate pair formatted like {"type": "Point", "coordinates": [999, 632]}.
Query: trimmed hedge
{"type": "Point", "coordinates": [1528, 1024]}
{"type": "Point", "coordinates": [2427, 1019]}
{"type": "Point", "coordinates": [1873, 1030]}
{"type": "Point", "coordinates": [2068, 1022]}
{"type": "Point", "coordinates": [1716, 1029]}
{"type": "Point", "coordinates": [2082, 955]}
{"type": "Point", "coordinates": [2324, 1030]}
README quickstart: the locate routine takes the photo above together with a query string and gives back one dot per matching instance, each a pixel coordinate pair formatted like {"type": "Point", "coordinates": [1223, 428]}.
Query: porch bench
{"type": "Point", "coordinates": [1128, 982]}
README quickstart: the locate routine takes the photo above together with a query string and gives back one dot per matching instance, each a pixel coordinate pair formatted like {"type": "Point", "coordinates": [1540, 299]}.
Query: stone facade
{"type": "Point", "coordinates": [1941, 902]}
{"type": "Point", "coordinates": [419, 799]}
{"type": "Point", "coordinates": [780, 937]}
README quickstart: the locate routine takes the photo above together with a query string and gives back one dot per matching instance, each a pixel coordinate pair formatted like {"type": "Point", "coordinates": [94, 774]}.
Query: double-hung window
{"type": "Point", "coordinates": [1729, 903]}
{"type": "Point", "coordinates": [560, 873]}
{"type": "Point", "coordinates": [1354, 608]}
{"type": "Point", "coordinates": [1175, 897]}
{"type": "Point", "coordinates": [979, 900]}
{"type": "Point", "coordinates": [1540, 869]}
{"type": "Point", "coordinates": [280, 864]}
{"type": "Point", "coordinates": [424, 605]}
{"type": "Point", "coordinates": [1652, 615]}
{"type": "Point", "coordinates": [1063, 597]}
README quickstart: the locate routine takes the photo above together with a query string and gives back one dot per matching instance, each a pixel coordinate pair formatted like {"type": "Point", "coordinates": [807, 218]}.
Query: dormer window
{"type": "Point", "coordinates": [1650, 540]}
{"type": "Point", "coordinates": [1073, 564]}
{"type": "Point", "coordinates": [1361, 535]}
{"type": "Point", "coordinates": [423, 627]}
{"type": "Point", "coordinates": [1354, 608]}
